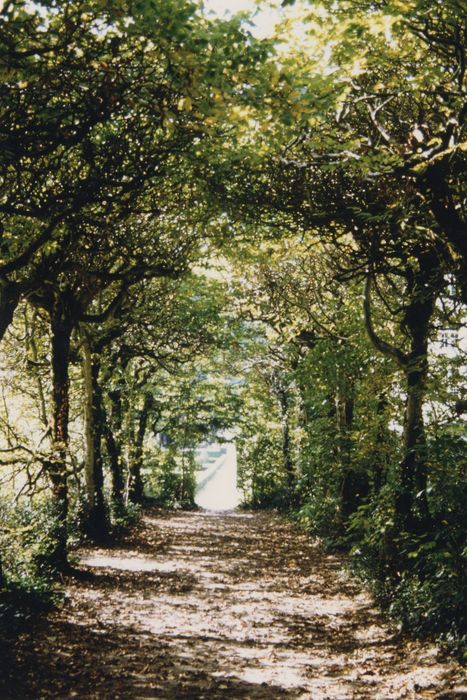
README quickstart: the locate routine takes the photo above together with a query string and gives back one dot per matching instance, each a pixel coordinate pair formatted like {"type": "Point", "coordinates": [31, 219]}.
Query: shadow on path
{"type": "Point", "coordinates": [196, 605]}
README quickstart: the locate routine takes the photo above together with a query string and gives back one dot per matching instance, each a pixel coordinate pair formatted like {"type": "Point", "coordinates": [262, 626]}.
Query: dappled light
{"type": "Point", "coordinates": [233, 606]}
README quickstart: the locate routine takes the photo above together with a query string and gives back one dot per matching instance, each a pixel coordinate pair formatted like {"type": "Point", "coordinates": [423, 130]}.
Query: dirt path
{"type": "Point", "coordinates": [202, 605]}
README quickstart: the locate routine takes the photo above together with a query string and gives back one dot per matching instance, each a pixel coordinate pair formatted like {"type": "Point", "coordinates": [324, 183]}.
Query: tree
{"type": "Point", "coordinates": [106, 158]}
{"type": "Point", "coordinates": [138, 96]}
{"type": "Point", "coordinates": [351, 173]}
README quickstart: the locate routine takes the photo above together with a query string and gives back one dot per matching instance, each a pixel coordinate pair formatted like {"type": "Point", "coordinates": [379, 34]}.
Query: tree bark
{"type": "Point", "coordinates": [10, 294]}
{"type": "Point", "coordinates": [434, 184]}
{"type": "Point", "coordinates": [97, 524]}
{"type": "Point", "coordinates": [284, 402]}
{"type": "Point", "coordinates": [411, 500]}
{"type": "Point", "coordinates": [379, 466]}
{"type": "Point", "coordinates": [112, 425]}
{"type": "Point", "coordinates": [135, 463]}
{"type": "Point", "coordinates": [61, 327]}
{"type": "Point", "coordinates": [352, 486]}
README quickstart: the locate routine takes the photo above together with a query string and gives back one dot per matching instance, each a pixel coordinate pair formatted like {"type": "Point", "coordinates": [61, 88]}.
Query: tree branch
{"type": "Point", "coordinates": [379, 343]}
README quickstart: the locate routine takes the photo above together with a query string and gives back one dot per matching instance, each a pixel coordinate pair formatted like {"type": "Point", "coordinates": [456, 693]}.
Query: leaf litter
{"type": "Point", "coordinates": [219, 605]}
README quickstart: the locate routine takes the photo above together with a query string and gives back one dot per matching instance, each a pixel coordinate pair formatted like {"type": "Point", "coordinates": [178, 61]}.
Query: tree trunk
{"type": "Point", "coordinates": [350, 486]}
{"type": "Point", "coordinates": [284, 402]}
{"type": "Point", "coordinates": [434, 183]}
{"type": "Point", "coordinates": [32, 348]}
{"type": "Point", "coordinates": [88, 421]}
{"type": "Point", "coordinates": [2, 575]}
{"type": "Point", "coordinates": [10, 294]}
{"type": "Point", "coordinates": [411, 505]}
{"type": "Point", "coordinates": [97, 524]}
{"type": "Point", "coordinates": [135, 487]}
{"type": "Point", "coordinates": [379, 465]}
{"type": "Point", "coordinates": [112, 425]}
{"type": "Point", "coordinates": [61, 326]}
{"type": "Point", "coordinates": [411, 501]}
{"type": "Point", "coordinates": [423, 286]}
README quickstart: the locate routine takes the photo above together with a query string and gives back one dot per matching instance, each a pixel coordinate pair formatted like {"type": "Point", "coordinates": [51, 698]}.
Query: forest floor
{"type": "Point", "coordinates": [219, 606]}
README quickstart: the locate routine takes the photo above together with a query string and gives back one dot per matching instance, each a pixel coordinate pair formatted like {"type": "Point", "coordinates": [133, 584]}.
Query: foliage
{"type": "Point", "coordinates": [27, 559]}
{"type": "Point", "coordinates": [171, 479]}
{"type": "Point", "coordinates": [261, 474]}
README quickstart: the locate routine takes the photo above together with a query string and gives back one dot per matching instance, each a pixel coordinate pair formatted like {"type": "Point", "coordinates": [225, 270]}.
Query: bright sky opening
{"type": "Point", "coordinates": [264, 20]}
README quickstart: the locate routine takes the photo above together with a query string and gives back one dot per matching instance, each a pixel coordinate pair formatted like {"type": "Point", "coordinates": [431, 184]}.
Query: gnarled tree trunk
{"type": "Point", "coordinates": [423, 285]}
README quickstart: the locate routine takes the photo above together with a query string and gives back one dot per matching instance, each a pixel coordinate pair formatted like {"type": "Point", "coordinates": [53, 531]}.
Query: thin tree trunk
{"type": "Point", "coordinates": [2, 575]}
{"type": "Point", "coordinates": [97, 521]}
{"type": "Point", "coordinates": [61, 327]}
{"type": "Point", "coordinates": [135, 489]}
{"type": "Point", "coordinates": [112, 425]}
{"type": "Point", "coordinates": [284, 401]}
{"type": "Point", "coordinates": [379, 466]}
{"type": "Point", "coordinates": [411, 504]}
{"type": "Point", "coordinates": [31, 342]}
{"type": "Point", "coordinates": [411, 500]}
{"type": "Point", "coordinates": [352, 486]}
{"type": "Point", "coordinates": [88, 421]}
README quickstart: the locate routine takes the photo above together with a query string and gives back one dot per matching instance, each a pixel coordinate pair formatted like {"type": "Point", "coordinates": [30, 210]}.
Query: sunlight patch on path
{"type": "Point", "coordinates": [126, 563]}
{"type": "Point", "coordinates": [233, 606]}
{"type": "Point", "coordinates": [245, 607]}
